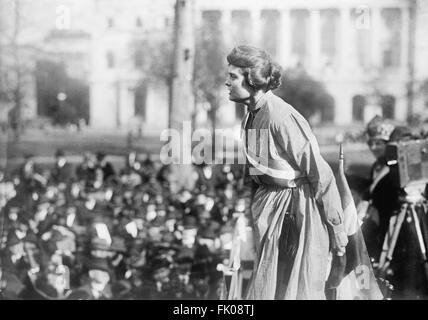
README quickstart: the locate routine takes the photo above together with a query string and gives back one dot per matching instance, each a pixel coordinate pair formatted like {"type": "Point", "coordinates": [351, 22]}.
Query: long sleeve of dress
{"type": "Point", "coordinates": [295, 142]}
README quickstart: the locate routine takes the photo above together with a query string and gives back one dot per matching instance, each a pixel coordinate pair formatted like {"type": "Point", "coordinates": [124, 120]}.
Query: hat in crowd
{"type": "Point", "coordinates": [57, 239]}
{"type": "Point", "coordinates": [59, 153]}
{"type": "Point", "coordinates": [100, 155]}
{"type": "Point", "coordinates": [160, 263]}
{"type": "Point", "coordinates": [189, 222]}
{"type": "Point", "coordinates": [99, 244]}
{"type": "Point", "coordinates": [379, 128]}
{"type": "Point", "coordinates": [174, 214]}
{"type": "Point", "coordinates": [185, 255]}
{"type": "Point", "coordinates": [99, 264]}
{"type": "Point", "coordinates": [28, 156]}
{"type": "Point", "coordinates": [140, 213]}
{"type": "Point", "coordinates": [118, 244]}
{"type": "Point", "coordinates": [79, 294]}
{"type": "Point", "coordinates": [158, 222]}
{"type": "Point", "coordinates": [207, 233]}
{"type": "Point", "coordinates": [214, 225]}
{"type": "Point", "coordinates": [161, 207]}
{"type": "Point", "coordinates": [31, 237]}
{"type": "Point", "coordinates": [12, 239]}
{"type": "Point", "coordinates": [227, 228]}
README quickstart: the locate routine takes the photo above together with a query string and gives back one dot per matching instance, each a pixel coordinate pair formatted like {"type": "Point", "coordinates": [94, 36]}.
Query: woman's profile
{"type": "Point", "coordinates": [296, 207]}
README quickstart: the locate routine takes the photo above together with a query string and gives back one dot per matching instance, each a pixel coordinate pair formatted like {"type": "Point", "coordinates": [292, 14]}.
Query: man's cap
{"type": "Point", "coordinates": [99, 264]}
{"type": "Point", "coordinates": [207, 233]}
{"type": "Point", "coordinates": [59, 153]}
{"type": "Point", "coordinates": [12, 239]}
{"type": "Point", "coordinates": [189, 222]}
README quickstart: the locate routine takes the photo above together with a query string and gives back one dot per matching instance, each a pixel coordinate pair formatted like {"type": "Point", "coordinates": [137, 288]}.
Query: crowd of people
{"type": "Point", "coordinates": [94, 232]}
{"type": "Point", "coordinates": [91, 231]}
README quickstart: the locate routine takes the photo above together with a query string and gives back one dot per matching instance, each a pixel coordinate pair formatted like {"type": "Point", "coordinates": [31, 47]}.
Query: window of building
{"type": "Point", "coordinates": [211, 20]}
{"type": "Point", "coordinates": [391, 43]}
{"type": "Point", "coordinates": [110, 60]}
{"type": "Point", "coordinates": [138, 22]}
{"type": "Point", "coordinates": [329, 35]}
{"type": "Point", "coordinates": [388, 106]}
{"type": "Point", "coordinates": [140, 101]}
{"type": "Point", "coordinates": [358, 104]}
{"type": "Point", "coordinates": [362, 19]}
{"type": "Point", "coordinates": [110, 22]}
{"type": "Point", "coordinates": [327, 111]}
{"type": "Point", "coordinates": [211, 35]}
{"type": "Point", "coordinates": [241, 30]}
{"type": "Point", "coordinates": [299, 32]}
{"type": "Point", "coordinates": [167, 22]}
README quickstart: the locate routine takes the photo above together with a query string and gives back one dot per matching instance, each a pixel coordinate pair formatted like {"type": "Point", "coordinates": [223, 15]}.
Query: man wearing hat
{"type": "Point", "coordinates": [13, 267]}
{"type": "Point", "coordinates": [98, 283]}
{"type": "Point", "coordinates": [189, 231]}
{"type": "Point", "coordinates": [105, 166]}
{"type": "Point", "coordinates": [86, 171]}
{"type": "Point", "coordinates": [62, 172]}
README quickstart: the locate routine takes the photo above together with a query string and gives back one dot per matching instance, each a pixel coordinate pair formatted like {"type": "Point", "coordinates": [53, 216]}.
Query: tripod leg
{"type": "Point", "coordinates": [387, 240]}
{"type": "Point", "coordinates": [391, 239]}
{"type": "Point", "coordinates": [420, 239]}
{"type": "Point", "coordinates": [419, 233]}
{"type": "Point", "coordinates": [423, 223]}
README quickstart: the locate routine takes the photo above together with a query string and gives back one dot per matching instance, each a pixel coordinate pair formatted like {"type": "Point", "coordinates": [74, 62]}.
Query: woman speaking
{"type": "Point", "coordinates": [296, 207]}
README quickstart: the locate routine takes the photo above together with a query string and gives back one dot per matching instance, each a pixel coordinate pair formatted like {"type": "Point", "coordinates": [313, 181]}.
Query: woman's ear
{"type": "Point", "coordinates": [249, 82]}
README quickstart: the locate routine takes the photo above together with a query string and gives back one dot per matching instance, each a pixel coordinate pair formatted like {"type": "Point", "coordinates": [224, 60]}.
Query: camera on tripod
{"type": "Point", "coordinates": [408, 163]}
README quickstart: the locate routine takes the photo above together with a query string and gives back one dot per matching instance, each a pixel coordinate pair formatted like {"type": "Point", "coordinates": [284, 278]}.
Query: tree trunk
{"type": "Point", "coordinates": [16, 126]}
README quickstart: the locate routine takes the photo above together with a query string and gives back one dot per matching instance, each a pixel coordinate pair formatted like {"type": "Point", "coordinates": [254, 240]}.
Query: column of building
{"type": "Point", "coordinates": [347, 67]}
{"type": "Point", "coordinates": [375, 43]}
{"type": "Point", "coordinates": [285, 38]}
{"type": "Point", "coordinates": [256, 27]}
{"type": "Point", "coordinates": [226, 115]}
{"type": "Point", "coordinates": [402, 100]}
{"type": "Point", "coordinates": [404, 50]}
{"type": "Point", "coordinates": [225, 27]}
{"type": "Point", "coordinates": [315, 41]}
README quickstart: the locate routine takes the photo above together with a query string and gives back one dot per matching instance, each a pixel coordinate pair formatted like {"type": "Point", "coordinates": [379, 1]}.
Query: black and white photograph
{"type": "Point", "coordinates": [223, 151]}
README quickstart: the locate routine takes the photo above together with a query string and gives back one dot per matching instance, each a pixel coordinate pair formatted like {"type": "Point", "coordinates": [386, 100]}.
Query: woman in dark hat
{"type": "Point", "coordinates": [381, 194]}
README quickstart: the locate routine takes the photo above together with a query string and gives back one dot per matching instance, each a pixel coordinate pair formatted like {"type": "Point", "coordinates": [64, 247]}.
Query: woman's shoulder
{"type": "Point", "coordinates": [281, 112]}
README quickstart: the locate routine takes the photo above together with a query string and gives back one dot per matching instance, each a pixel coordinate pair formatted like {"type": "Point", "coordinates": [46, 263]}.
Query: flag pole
{"type": "Point", "coordinates": [341, 152]}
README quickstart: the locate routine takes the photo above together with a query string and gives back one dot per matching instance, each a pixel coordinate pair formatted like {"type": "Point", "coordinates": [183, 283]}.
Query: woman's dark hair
{"type": "Point", "coordinates": [259, 70]}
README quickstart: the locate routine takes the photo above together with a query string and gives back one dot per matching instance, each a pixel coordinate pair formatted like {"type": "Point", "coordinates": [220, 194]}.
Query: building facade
{"type": "Point", "coordinates": [366, 54]}
{"type": "Point", "coordinates": [363, 53]}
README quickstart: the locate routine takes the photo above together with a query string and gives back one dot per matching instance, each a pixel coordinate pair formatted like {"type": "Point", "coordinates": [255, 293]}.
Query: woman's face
{"type": "Point", "coordinates": [239, 90]}
{"type": "Point", "coordinates": [377, 147]}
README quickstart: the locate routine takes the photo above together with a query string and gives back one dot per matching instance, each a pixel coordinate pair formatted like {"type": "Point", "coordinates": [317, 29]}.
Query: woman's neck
{"type": "Point", "coordinates": [253, 100]}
